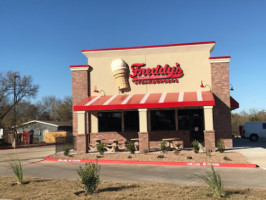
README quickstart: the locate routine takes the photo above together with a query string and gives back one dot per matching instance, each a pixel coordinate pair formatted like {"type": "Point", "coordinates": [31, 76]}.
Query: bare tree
{"type": "Point", "coordinates": [23, 86]}
{"type": "Point", "coordinates": [52, 108]}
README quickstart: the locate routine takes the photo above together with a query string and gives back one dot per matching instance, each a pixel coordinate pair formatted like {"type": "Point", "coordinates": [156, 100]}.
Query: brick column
{"type": "Point", "coordinates": [222, 108]}
{"type": "Point", "coordinates": [80, 90]}
{"type": "Point", "coordinates": [144, 143]}
{"type": "Point", "coordinates": [81, 138]}
{"type": "Point", "coordinates": [209, 140]}
{"type": "Point", "coordinates": [82, 144]}
{"type": "Point", "coordinates": [209, 134]}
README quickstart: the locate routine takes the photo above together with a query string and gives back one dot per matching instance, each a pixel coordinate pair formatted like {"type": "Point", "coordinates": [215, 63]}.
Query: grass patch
{"type": "Point", "coordinates": [70, 189]}
{"type": "Point", "coordinates": [17, 170]}
{"type": "Point", "coordinates": [214, 182]}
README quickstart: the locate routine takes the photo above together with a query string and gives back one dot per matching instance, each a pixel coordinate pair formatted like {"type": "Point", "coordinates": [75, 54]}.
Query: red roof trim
{"type": "Point", "coordinates": [139, 106]}
{"type": "Point", "coordinates": [71, 66]}
{"type": "Point", "coordinates": [234, 103]}
{"type": "Point", "coordinates": [152, 46]}
{"type": "Point", "coordinates": [219, 57]}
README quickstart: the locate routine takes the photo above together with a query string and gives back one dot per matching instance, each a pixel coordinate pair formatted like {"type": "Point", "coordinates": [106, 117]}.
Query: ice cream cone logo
{"type": "Point", "coordinates": [121, 73]}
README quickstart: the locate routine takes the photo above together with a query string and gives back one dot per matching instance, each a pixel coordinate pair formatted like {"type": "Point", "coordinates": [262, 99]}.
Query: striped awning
{"type": "Point", "coordinates": [137, 101]}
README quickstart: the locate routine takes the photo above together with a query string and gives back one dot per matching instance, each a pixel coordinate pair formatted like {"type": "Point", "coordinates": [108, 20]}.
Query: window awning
{"type": "Point", "coordinates": [138, 101]}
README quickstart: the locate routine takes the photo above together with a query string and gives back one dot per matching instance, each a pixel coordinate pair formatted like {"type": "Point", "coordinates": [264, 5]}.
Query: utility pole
{"type": "Point", "coordinates": [15, 75]}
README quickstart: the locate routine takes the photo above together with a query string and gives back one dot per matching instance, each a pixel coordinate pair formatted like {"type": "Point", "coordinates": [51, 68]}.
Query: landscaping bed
{"type": "Point", "coordinates": [171, 156]}
{"type": "Point", "coordinates": [38, 188]}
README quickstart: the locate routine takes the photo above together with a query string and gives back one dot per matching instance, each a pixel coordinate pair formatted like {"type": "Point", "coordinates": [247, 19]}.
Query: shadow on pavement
{"type": "Point", "coordinates": [239, 143]}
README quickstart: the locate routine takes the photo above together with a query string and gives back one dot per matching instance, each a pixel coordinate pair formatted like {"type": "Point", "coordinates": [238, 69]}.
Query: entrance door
{"type": "Point", "coordinates": [192, 120]}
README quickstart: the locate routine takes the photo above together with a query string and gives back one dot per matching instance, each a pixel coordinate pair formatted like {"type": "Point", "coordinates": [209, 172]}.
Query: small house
{"type": "Point", "coordinates": [40, 128]}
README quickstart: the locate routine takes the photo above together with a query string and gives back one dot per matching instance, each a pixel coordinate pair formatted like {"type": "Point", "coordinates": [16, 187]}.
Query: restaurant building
{"type": "Point", "coordinates": [152, 93]}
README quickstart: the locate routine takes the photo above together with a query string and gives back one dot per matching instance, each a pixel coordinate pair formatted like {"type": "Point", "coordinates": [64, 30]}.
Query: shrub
{"type": "Point", "coordinates": [227, 159]}
{"type": "Point", "coordinates": [176, 152]}
{"type": "Point", "coordinates": [89, 177]}
{"type": "Point", "coordinates": [214, 182]}
{"type": "Point", "coordinates": [146, 151]}
{"type": "Point", "coordinates": [17, 170]}
{"type": "Point", "coordinates": [160, 156]}
{"type": "Point", "coordinates": [195, 145]}
{"type": "Point", "coordinates": [100, 148]}
{"type": "Point", "coordinates": [163, 146]}
{"type": "Point", "coordinates": [220, 146]}
{"type": "Point", "coordinates": [66, 150]}
{"type": "Point", "coordinates": [131, 147]}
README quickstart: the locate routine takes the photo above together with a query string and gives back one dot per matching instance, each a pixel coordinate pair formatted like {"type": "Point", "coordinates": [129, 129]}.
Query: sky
{"type": "Point", "coordinates": [42, 38]}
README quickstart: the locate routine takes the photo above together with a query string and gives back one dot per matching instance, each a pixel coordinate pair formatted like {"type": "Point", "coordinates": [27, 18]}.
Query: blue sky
{"type": "Point", "coordinates": [42, 38]}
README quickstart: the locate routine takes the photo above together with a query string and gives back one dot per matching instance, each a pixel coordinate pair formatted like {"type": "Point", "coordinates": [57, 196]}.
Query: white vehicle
{"type": "Point", "coordinates": [254, 130]}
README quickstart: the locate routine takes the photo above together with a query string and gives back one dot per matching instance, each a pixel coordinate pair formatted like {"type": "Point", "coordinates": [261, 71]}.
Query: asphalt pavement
{"type": "Point", "coordinates": [35, 167]}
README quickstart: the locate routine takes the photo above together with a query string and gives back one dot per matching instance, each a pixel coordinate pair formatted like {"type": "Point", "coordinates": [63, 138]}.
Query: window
{"type": "Point", "coordinates": [162, 120]}
{"type": "Point", "coordinates": [131, 120]}
{"type": "Point", "coordinates": [264, 125]}
{"type": "Point", "coordinates": [109, 121]}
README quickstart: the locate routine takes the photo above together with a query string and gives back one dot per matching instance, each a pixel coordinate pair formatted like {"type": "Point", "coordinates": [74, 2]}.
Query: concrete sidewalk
{"type": "Point", "coordinates": [255, 152]}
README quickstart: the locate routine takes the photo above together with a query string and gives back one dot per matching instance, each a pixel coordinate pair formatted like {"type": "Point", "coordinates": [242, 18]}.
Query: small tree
{"type": "Point", "coordinates": [131, 147]}
{"type": "Point", "coordinates": [220, 146]}
{"type": "Point", "coordinates": [100, 148]}
{"type": "Point", "coordinates": [163, 146]}
{"type": "Point", "coordinates": [214, 181]}
{"type": "Point", "coordinates": [17, 170]}
{"type": "Point", "coordinates": [90, 177]}
{"type": "Point", "coordinates": [66, 149]}
{"type": "Point", "coordinates": [195, 145]}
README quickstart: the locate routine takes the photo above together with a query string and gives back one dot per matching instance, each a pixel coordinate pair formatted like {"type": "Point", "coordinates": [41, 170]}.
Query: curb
{"type": "Point", "coordinates": [135, 162]}
{"type": "Point", "coordinates": [22, 147]}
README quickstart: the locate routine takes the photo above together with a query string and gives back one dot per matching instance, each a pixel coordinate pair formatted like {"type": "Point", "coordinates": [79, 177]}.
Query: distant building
{"type": "Point", "coordinates": [40, 128]}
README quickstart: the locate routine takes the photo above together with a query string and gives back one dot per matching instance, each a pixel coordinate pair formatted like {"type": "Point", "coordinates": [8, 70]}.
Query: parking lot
{"type": "Point", "coordinates": [232, 177]}
{"type": "Point", "coordinates": [254, 151]}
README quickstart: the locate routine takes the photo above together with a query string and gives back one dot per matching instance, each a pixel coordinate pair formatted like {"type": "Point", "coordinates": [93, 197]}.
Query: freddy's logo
{"type": "Point", "coordinates": [155, 75]}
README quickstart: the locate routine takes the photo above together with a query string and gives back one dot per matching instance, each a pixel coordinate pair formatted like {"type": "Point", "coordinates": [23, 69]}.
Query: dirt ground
{"type": "Point", "coordinates": [72, 189]}
{"type": "Point", "coordinates": [177, 156]}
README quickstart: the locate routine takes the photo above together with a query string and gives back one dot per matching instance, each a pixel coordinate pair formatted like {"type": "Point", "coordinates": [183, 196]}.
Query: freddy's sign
{"type": "Point", "coordinates": [155, 75]}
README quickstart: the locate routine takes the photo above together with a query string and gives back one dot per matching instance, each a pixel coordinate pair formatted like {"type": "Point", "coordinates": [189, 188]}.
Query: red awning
{"type": "Point", "coordinates": [234, 103]}
{"type": "Point", "coordinates": [138, 101]}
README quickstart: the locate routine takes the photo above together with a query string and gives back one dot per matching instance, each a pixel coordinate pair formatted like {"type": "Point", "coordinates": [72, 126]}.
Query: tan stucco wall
{"type": "Point", "coordinates": [81, 122]}
{"type": "Point", "coordinates": [193, 60]}
{"type": "Point", "coordinates": [208, 118]}
{"type": "Point", "coordinates": [143, 120]}
{"type": "Point", "coordinates": [94, 122]}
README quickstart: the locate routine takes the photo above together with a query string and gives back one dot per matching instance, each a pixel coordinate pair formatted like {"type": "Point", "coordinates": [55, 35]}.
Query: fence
{"type": "Point", "coordinates": [60, 142]}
